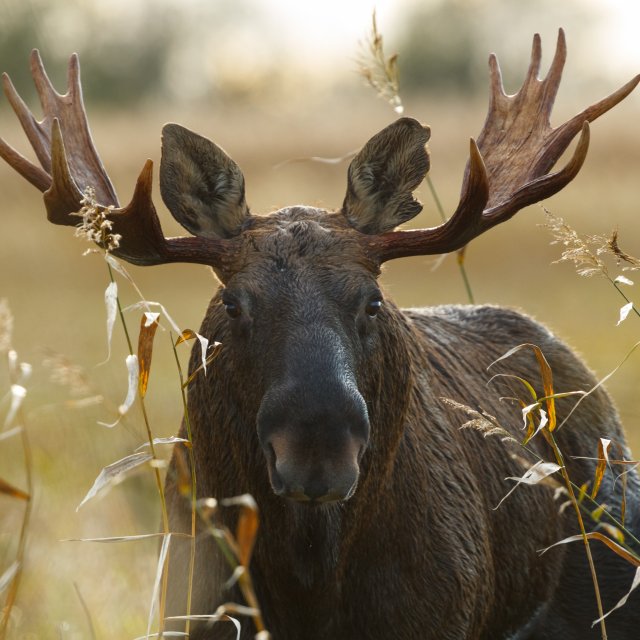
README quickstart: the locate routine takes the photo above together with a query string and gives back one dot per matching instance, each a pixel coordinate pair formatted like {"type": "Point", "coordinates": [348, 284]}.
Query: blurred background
{"type": "Point", "coordinates": [270, 81]}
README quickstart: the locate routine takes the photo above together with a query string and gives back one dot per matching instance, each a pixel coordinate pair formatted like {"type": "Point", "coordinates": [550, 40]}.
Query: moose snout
{"type": "Point", "coordinates": [307, 477]}
{"type": "Point", "coordinates": [313, 448]}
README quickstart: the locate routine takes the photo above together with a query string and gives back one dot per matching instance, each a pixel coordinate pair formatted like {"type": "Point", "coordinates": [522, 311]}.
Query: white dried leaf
{"type": "Point", "coordinates": [150, 318]}
{"type": "Point", "coordinates": [5, 435]}
{"type": "Point", "coordinates": [117, 266]}
{"type": "Point", "coordinates": [623, 280]}
{"type": "Point", "coordinates": [162, 558]}
{"type": "Point", "coordinates": [623, 600]}
{"type": "Point", "coordinates": [133, 371]}
{"type": "Point", "coordinates": [170, 440]}
{"type": "Point", "coordinates": [8, 575]}
{"type": "Point", "coordinates": [534, 475]}
{"type": "Point", "coordinates": [624, 312]}
{"type": "Point", "coordinates": [111, 304]}
{"type": "Point", "coordinates": [116, 539]}
{"type": "Point", "coordinates": [18, 394]}
{"type": "Point", "coordinates": [204, 345]}
{"type": "Point", "coordinates": [115, 473]}
{"type": "Point", "coordinates": [147, 304]}
{"type": "Point", "coordinates": [210, 618]}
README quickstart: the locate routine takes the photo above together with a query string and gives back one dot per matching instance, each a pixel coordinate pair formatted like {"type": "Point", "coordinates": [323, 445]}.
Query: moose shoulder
{"type": "Point", "coordinates": [337, 411]}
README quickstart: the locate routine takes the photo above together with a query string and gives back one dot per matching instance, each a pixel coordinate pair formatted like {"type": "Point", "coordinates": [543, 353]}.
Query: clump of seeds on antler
{"type": "Point", "coordinates": [96, 226]}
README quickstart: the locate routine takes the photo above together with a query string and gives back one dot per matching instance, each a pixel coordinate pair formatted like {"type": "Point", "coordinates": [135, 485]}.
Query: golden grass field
{"type": "Point", "coordinates": [56, 296]}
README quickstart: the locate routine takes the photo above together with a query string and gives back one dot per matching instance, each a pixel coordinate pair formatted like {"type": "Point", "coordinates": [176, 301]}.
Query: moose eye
{"type": "Point", "coordinates": [232, 308]}
{"type": "Point", "coordinates": [373, 306]}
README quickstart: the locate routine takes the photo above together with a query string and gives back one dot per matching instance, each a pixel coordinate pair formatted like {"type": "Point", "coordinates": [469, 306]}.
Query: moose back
{"type": "Point", "coordinates": [332, 406]}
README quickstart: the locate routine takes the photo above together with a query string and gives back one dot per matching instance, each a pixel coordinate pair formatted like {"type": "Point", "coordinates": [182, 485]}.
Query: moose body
{"type": "Point", "coordinates": [333, 408]}
{"type": "Point", "coordinates": [418, 551]}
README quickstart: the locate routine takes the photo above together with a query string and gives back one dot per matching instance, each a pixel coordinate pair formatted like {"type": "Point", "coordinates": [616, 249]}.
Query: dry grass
{"type": "Point", "coordinates": [56, 296]}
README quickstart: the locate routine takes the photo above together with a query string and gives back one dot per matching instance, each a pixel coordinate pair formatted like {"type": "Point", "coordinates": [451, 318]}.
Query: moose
{"type": "Point", "coordinates": [332, 406]}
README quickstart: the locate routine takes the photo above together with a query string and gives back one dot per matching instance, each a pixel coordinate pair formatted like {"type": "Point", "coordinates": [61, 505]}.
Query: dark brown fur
{"type": "Point", "coordinates": [418, 551]}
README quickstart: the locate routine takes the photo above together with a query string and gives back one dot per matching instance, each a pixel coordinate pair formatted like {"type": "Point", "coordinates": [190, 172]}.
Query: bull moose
{"type": "Point", "coordinates": [327, 402]}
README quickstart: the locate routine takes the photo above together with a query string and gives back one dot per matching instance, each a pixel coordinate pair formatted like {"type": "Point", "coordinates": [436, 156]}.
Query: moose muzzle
{"type": "Point", "coordinates": [313, 437]}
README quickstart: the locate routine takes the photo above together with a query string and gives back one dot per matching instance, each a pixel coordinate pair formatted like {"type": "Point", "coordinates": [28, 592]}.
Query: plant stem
{"type": "Point", "coordinates": [560, 461]}
{"type": "Point", "coordinates": [22, 541]}
{"type": "Point", "coordinates": [122, 321]}
{"type": "Point", "coordinates": [192, 556]}
{"type": "Point", "coordinates": [460, 253]}
{"type": "Point", "coordinates": [624, 295]}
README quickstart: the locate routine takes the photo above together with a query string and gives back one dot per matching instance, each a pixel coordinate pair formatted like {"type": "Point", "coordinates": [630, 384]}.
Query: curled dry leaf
{"type": "Point", "coordinates": [7, 577]}
{"type": "Point", "coordinates": [114, 474]}
{"type": "Point", "coordinates": [247, 528]}
{"type": "Point", "coordinates": [14, 492]}
{"type": "Point", "coordinates": [170, 440]}
{"type": "Point", "coordinates": [623, 600]}
{"type": "Point", "coordinates": [603, 461]}
{"type": "Point", "coordinates": [546, 374]}
{"type": "Point", "coordinates": [189, 334]}
{"type": "Point", "coordinates": [148, 327]}
{"type": "Point", "coordinates": [147, 304]}
{"type": "Point", "coordinates": [132, 369]}
{"type": "Point", "coordinates": [210, 618]}
{"type": "Point", "coordinates": [595, 535]}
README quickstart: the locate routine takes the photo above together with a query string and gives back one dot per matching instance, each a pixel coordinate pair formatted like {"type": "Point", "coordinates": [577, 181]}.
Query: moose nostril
{"type": "Point", "coordinates": [276, 481]}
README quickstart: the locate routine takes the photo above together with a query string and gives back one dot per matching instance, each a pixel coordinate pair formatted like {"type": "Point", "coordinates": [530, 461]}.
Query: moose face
{"type": "Point", "coordinates": [302, 312]}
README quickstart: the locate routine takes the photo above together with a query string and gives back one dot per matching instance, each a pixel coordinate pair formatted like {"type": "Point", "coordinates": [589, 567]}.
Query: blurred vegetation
{"type": "Point", "coordinates": [445, 44]}
{"type": "Point", "coordinates": [134, 52]}
{"type": "Point", "coordinates": [233, 50]}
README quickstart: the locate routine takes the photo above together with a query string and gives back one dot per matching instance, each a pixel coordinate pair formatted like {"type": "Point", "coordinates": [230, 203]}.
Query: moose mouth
{"type": "Point", "coordinates": [329, 481]}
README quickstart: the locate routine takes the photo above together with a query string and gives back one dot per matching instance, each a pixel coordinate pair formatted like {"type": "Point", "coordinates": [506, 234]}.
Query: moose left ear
{"type": "Point", "coordinates": [201, 185]}
{"type": "Point", "coordinates": [383, 175]}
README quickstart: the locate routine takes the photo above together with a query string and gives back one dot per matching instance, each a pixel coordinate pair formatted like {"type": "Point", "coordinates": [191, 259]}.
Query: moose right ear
{"type": "Point", "coordinates": [201, 185]}
{"type": "Point", "coordinates": [383, 175]}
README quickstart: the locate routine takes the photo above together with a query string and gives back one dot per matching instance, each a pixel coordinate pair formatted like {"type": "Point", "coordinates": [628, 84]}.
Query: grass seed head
{"type": "Point", "coordinates": [578, 249]}
{"type": "Point", "coordinates": [380, 72]}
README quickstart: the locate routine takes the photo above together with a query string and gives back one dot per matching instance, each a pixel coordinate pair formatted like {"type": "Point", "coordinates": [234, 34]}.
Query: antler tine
{"type": "Point", "coordinates": [517, 148]}
{"type": "Point", "coordinates": [70, 163]}
{"type": "Point", "coordinates": [536, 57]}
{"type": "Point", "coordinates": [27, 169]}
{"type": "Point", "coordinates": [47, 94]}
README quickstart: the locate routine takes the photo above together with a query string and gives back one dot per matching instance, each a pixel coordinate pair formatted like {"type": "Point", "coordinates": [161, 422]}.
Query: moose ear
{"type": "Point", "coordinates": [201, 185]}
{"type": "Point", "coordinates": [382, 176]}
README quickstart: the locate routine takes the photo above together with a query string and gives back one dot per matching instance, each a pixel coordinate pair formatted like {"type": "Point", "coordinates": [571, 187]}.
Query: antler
{"type": "Point", "coordinates": [509, 166]}
{"type": "Point", "coordinates": [70, 163]}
